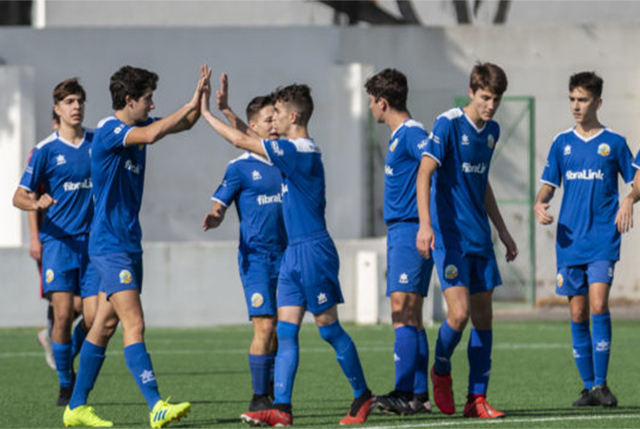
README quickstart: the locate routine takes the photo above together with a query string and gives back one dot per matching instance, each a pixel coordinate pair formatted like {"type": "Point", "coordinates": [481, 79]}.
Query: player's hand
{"type": "Point", "coordinates": [44, 202]}
{"type": "Point", "coordinates": [542, 215]}
{"type": "Point", "coordinates": [35, 249]}
{"type": "Point", "coordinates": [213, 219]}
{"type": "Point", "coordinates": [203, 83]}
{"type": "Point", "coordinates": [222, 94]}
{"type": "Point", "coordinates": [512, 248]}
{"type": "Point", "coordinates": [426, 241]}
{"type": "Point", "coordinates": [624, 217]}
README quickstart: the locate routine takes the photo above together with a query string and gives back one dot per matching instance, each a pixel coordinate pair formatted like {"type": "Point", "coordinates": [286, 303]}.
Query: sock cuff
{"type": "Point", "coordinates": [330, 331]}
{"type": "Point", "coordinates": [259, 359]}
{"type": "Point", "coordinates": [406, 331]}
{"type": "Point", "coordinates": [60, 345]}
{"type": "Point", "coordinates": [137, 347]}
{"type": "Point", "coordinates": [287, 330]}
{"type": "Point", "coordinates": [601, 317]}
{"type": "Point", "coordinates": [93, 348]}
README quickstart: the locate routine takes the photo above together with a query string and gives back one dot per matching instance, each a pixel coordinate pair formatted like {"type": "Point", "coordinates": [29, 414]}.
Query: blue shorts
{"type": "Point", "coordinates": [478, 273]}
{"type": "Point", "coordinates": [259, 275]}
{"type": "Point", "coordinates": [575, 279]}
{"type": "Point", "coordinates": [66, 266]}
{"type": "Point", "coordinates": [118, 272]}
{"type": "Point", "coordinates": [407, 269]}
{"type": "Point", "coordinates": [309, 275]}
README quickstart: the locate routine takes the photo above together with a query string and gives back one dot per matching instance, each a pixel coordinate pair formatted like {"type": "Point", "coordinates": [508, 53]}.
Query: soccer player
{"type": "Point", "coordinates": [308, 278]}
{"type": "Point", "coordinates": [454, 228]}
{"type": "Point", "coordinates": [254, 184]}
{"type": "Point", "coordinates": [118, 165]}
{"type": "Point", "coordinates": [588, 158]}
{"type": "Point", "coordinates": [408, 272]}
{"type": "Point", "coordinates": [61, 164]}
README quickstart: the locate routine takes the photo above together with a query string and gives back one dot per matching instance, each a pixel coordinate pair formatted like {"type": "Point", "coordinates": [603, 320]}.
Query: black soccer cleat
{"type": "Point", "coordinates": [586, 399]}
{"type": "Point", "coordinates": [65, 395]}
{"type": "Point", "coordinates": [603, 396]}
{"type": "Point", "coordinates": [421, 403]}
{"type": "Point", "coordinates": [259, 403]}
{"type": "Point", "coordinates": [396, 402]}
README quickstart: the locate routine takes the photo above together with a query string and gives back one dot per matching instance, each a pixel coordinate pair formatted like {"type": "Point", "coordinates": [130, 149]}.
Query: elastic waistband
{"type": "Point", "coordinates": [311, 237]}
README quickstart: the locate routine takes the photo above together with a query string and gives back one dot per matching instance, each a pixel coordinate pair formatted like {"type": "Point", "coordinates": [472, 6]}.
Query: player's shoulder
{"type": "Point", "coordinates": [412, 128]}
{"type": "Point", "coordinates": [52, 138]}
{"type": "Point", "coordinates": [451, 115]}
{"type": "Point", "coordinates": [613, 136]}
{"type": "Point", "coordinates": [305, 145]}
{"type": "Point", "coordinates": [109, 122]}
{"type": "Point", "coordinates": [564, 135]}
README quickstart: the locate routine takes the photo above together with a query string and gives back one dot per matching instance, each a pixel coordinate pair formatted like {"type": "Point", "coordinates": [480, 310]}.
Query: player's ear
{"type": "Point", "coordinates": [470, 92]}
{"type": "Point", "coordinates": [599, 104]}
{"type": "Point", "coordinates": [293, 117]}
{"type": "Point", "coordinates": [127, 99]}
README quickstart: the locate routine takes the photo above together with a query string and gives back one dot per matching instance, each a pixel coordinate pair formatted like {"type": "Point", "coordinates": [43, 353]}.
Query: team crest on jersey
{"type": "Point", "coordinates": [393, 145]}
{"type": "Point", "coordinates": [49, 275]}
{"type": "Point", "coordinates": [125, 277]}
{"type": "Point", "coordinates": [491, 141]}
{"type": "Point", "coordinates": [404, 279]}
{"type": "Point", "coordinates": [322, 298]}
{"type": "Point", "coordinates": [604, 149]}
{"type": "Point", "coordinates": [559, 280]}
{"type": "Point", "coordinates": [140, 146]}
{"type": "Point", "coordinates": [567, 150]}
{"type": "Point", "coordinates": [60, 160]}
{"type": "Point", "coordinates": [450, 272]}
{"type": "Point", "coordinates": [255, 175]}
{"type": "Point", "coordinates": [257, 300]}
{"type": "Point", "coordinates": [465, 140]}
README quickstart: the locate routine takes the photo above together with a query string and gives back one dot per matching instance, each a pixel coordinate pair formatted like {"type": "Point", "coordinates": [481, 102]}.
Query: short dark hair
{"type": "Point", "coordinates": [298, 98]}
{"type": "Point", "coordinates": [589, 81]}
{"type": "Point", "coordinates": [391, 85]}
{"type": "Point", "coordinates": [131, 81]}
{"type": "Point", "coordinates": [55, 116]}
{"type": "Point", "coordinates": [257, 104]}
{"type": "Point", "coordinates": [488, 76]}
{"type": "Point", "coordinates": [66, 88]}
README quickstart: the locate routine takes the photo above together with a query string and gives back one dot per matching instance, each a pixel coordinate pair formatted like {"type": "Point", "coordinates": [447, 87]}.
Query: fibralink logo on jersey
{"type": "Point", "coordinates": [585, 175]}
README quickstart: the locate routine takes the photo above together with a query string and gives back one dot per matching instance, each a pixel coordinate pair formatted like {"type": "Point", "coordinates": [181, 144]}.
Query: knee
{"type": "Point", "coordinates": [264, 330]}
{"type": "Point", "coordinates": [330, 332]}
{"type": "Point", "coordinates": [579, 314]}
{"type": "Point", "coordinates": [599, 306]}
{"type": "Point", "coordinates": [287, 332]}
{"type": "Point", "coordinates": [458, 319]}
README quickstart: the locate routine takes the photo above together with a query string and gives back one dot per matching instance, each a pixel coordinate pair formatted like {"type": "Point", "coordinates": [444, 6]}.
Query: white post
{"type": "Point", "coordinates": [367, 288]}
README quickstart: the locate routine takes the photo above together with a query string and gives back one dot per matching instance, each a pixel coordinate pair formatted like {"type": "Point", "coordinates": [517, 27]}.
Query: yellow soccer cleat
{"type": "Point", "coordinates": [164, 413]}
{"type": "Point", "coordinates": [84, 416]}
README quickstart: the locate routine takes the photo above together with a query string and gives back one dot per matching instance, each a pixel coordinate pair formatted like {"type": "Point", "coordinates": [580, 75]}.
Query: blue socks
{"type": "Point", "coordinates": [420, 384]}
{"type": "Point", "coordinates": [91, 359]}
{"type": "Point", "coordinates": [260, 366]}
{"type": "Point", "coordinates": [405, 354]}
{"type": "Point", "coordinates": [139, 364]}
{"type": "Point", "coordinates": [581, 339]}
{"type": "Point", "coordinates": [479, 355]}
{"type": "Point", "coordinates": [347, 356]}
{"type": "Point", "coordinates": [79, 334]}
{"type": "Point", "coordinates": [448, 339]}
{"type": "Point", "coordinates": [286, 361]}
{"type": "Point", "coordinates": [601, 346]}
{"type": "Point", "coordinates": [64, 362]}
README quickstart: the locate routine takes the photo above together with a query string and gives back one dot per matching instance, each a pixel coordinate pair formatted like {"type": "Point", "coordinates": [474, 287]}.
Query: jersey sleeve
{"type": "Point", "coordinates": [552, 174]}
{"type": "Point", "coordinates": [34, 172]}
{"type": "Point", "coordinates": [282, 154]}
{"type": "Point", "coordinates": [230, 187]}
{"type": "Point", "coordinates": [417, 140]}
{"type": "Point", "coordinates": [439, 140]}
{"type": "Point", "coordinates": [636, 161]}
{"type": "Point", "coordinates": [624, 159]}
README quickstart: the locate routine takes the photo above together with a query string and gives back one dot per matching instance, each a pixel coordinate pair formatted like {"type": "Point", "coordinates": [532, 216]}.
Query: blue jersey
{"type": "Point", "coordinates": [255, 185]}
{"type": "Point", "coordinates": [118, 182]}
{"type": "Point", "coordinates": [463, 153]}
{"type": "Point", "coordinates": [589, 168]}
{"type": "Point", "coordinates": [65, 171]}
{"type": "Point", "coordinates": [303, 186]}
{"type": "Point", "coordinates": [405, 151]}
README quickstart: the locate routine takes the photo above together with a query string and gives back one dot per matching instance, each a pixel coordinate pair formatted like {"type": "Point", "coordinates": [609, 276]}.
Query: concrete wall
{"type": "Point", "coordinates": [185, 169]}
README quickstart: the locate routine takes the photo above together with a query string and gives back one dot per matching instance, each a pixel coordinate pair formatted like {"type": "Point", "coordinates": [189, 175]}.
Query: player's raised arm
{"type": "Point", "coordinates": [235, 137]}
{"type": "Point", "coordinates": [545, 194]}
{"type": "Point", "coordinates": [180, 120]}
{"type": "Point", "coordinates": [491, 206]}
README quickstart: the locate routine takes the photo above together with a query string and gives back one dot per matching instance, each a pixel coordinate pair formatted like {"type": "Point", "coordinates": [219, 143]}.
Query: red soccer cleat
{"type": "Point", "coordinates": [360, 409]}
{"type": "Point", "coordinates": [479, 408]}
{"type": "Point", "coordinates": [443, 392]}
{"type": "Point", "coordinates": [271, 417]}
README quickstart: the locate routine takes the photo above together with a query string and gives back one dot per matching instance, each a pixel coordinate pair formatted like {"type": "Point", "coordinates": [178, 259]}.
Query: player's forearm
{"type": "Point", "coordinates": [232, 135]}
{"type": "Point", "coordinates": [545, 194]}
{"type": "Point", "coordinates": [157, 130]}
{"type": "Point", "coordinates": [34, 230]}
{"type": "Point", "coordinates": [491, 206]}
{"type": "Point", "coordinates": [25, 200]}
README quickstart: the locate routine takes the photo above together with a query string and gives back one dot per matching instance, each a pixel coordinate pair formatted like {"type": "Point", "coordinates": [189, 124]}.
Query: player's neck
{"type": "Point", "coordinates": [297, 132]}
{"type": "Point", "coordinates": [124, 117]}
{"type": "Point", "coordinates": [588, 129]}
{"type": "Point", "coordinates": [71, 134]}
{"type": "Point", "coordinates": [394, 119]}
{"type": "Point", "coordinates": [474, 116]}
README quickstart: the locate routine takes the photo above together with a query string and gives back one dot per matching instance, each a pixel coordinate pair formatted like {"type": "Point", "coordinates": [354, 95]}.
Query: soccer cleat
{"type": "Point", "coordinates": [421, 404]}
{"type": "Point", "coordinates": [603, 396]}
{"type": "Point", "coordinates": [479, 408]}
{"type": "Point", "coordinates": [164, 413]}
{"type": "Point", "coordinates": [271, 417]}
{"type": "Point", "coordinates": [443, 392]}
{"type": "Point", "coordinates": [260, 402]}
{"type": "Point", "coordinates": [83, 416]}
{"type": "Point", "coordinates": [45, 342]}
{"type": "Point", "coordinates": [396, 402]}
{"type": "Point", "coordinates": [586, 399]}
{"type": "Point", "coordinates": [360, 409]}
